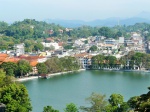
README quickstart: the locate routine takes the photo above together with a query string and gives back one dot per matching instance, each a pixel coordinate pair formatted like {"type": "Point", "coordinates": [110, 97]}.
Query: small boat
{"type": "Point", "coordinates": [45, 76]}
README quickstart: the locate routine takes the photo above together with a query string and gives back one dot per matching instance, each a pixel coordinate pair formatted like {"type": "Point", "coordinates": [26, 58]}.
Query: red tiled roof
{"type": "Point", "coordinates": [30, 58]}
{"type": "Point", "coordinates": [3, 55]}
{"type": "Point", "coordinates": [49, 39]}
{"type": "Point", "coordinates": [11, 59]}
{"type": "Point", "coordinates": [83, 55]}
{"type": "Point", "coordinates": [60, 43]}
{"type": "Point", "coordinates": [33, 63]}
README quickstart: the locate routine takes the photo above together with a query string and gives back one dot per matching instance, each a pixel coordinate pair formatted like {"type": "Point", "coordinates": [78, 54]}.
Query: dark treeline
{"type": "Point", "coordinates": [136, 60]}
{"type": "Point", "coordinates": [19, 69]}
{"type": "Point", "coordinates": [55, 65]}
{"type": "Point", "coordinates": [133, 60]}
{"type": "Point", "coordinates": [52, 65]}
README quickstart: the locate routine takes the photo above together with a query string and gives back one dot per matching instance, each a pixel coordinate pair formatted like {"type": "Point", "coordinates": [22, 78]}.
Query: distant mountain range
{"type": "Point", "coordinates": [143, 17]}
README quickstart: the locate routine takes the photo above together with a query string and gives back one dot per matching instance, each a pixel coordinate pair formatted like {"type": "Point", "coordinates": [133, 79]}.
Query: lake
{"type": "Point", "coordinates": [74, 87]}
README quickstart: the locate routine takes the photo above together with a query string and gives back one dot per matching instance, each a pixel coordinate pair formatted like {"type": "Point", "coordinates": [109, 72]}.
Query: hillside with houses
{"type": "Point", "coordinates": [37, 42]}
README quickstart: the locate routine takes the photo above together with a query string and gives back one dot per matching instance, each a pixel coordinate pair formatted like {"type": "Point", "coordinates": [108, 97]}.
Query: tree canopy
{"type": "Point", "coordinates": [15, 97]}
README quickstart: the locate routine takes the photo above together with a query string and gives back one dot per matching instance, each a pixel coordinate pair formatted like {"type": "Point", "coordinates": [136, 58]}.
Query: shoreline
{"type": "Point", "coordinates": [61, 73]}
{"type": "Point", "coordinates": [49, 75]}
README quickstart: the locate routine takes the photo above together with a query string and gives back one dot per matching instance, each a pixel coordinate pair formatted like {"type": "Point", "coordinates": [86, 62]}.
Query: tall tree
{"type": "Point", "coordinates": [23, 67]}
{"type": "Point", "coordinates": [38, 47]}
{"type": "Point", "coordinates": [98, 103]}
{"type": "Point", "coordinates": [42, 68]}
{"type": "Point", "coordinates": [10, 68]}
{"type": "Point", "coordinates": [93, 48]}
{"type": "Point", "coordinates": [116, 99]}
{"type": "Point", "coordinates": [143, 102]}
{"type": "Point", "coordinates": [15, 97]}
{"type": "Point", "coordinates": [49, 109]}
{"type": "Point", "coordinates": [71, 108]}
{"type": "Point", "coordinates": [105, 31]}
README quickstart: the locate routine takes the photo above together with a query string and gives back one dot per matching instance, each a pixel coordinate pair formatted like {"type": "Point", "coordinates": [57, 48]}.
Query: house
{"type": "Point", "coordinates": [129, 42]}
{"type": "Point", "coordinates": [110, 41]}
{"type": "Point", "coordinates": [55, 45]}
{"type": "Point", "coordinates": [7, 58]}
{"type": "Point", "coordinates": [49, 39]}
{"type": "Point", "coordinates": [78, 43]}
{"type": "Point", "coordinates": [121, 40]}
{"type": "Point", "coordinates": [3, 56]}
{"type": "Point", "coordinates": [19, 49]}
{"type": "Point", "coordinates": [84, 60]}
{"type": "Point", "coordinates": [33, 60]}
{"type": "Point", "coordinates": [107, 46]}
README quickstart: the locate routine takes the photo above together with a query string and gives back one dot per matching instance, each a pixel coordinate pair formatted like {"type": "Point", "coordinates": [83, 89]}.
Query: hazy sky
{"type": "Point", "coordinates": [14, 10]}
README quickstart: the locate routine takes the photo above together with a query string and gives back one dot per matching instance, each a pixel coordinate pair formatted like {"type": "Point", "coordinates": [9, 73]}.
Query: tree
{"type": "Point", "coordinates": [132, 102]}
{"type": "Point", "coordinates": [124, 107]}
{"type": "Point", "coordinates": [53, 65]}
{"type": "Point", "coordinates": [69, 63]}
{"type": "Point", "coordinates": [49, 109]}
{"type": "Point", "coordinates": [93, 48]}
{"type": "Point", "coordinates": [105, 31]}
{"type": "Point", "coordinates": [5, 79]}
{"type": "Point", "coordinates": [98, 60]}
{"type": "Point", "coordinates": [2, 76]}
{"type": "Point", "coordinates": [111, 60]}
{"type": "Point", "coordinates": [68, 47]}
{"type": "Point", "coordinates": [71, 108]}
{"type": "Point", "coordinates": [143, 103]}
{"type": "Point", "coordinates": [116, 99]}
{"type": "Point", "coordinates": [38, 46]}
{"type": "Point", "coordinates": [10, 68]}
{"type": "Point", "coordinates": [23, 67]}
{"type": "Point", "coordinates": [42, 68]}
{"type": "Point", "coordinates": [98, 103]}
{"type": "Point", "coordinates": [29, 45]}
{"type": "Point", "coordinates": [15, 97]}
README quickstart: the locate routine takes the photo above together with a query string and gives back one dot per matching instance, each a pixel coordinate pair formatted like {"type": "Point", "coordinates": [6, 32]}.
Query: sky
{"type": "Point", "coordinates": [87, 10]}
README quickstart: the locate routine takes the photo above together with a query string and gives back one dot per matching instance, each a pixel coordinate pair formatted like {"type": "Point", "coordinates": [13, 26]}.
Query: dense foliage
{"type": "Point", "coordinates": [136, 60]}
{"type": "Point", "coordinates": [71, 108]}
{"type": "Point", "coordinates": [133, 60]}
{"type": "Point", "coordinates": [55, 64]}
{"type": "Point", "coordinates": [101, 61]}
{"type": "Point", "coordinates": [49, 109]}
{"type": "Point", "coordinates": [16, 69]}
{"type": "Point", "coordinates": [10, 68]}
{"type": "Point", "coordinates": [13, 95]}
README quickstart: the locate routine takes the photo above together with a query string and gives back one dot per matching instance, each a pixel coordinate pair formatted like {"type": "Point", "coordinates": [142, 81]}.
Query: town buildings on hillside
{"type": "Point", "coordinates": [80, 49]}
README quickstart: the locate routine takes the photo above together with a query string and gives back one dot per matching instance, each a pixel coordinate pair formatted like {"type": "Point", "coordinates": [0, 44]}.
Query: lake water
{"type": "Point", "coordinates": [58, 91]}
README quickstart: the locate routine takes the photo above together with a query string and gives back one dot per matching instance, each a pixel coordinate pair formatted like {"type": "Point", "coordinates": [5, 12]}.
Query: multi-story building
{"type": "Point", "coordinates": [84, 60]}
{"type": "Point", "coordinates": [55, 45]}
{"type": "Point", "coordinates": [121, 40]}
{"type": "Point", "coordinates": [110, 41]}
{"type": "Point", "coordinates": [19, 49]}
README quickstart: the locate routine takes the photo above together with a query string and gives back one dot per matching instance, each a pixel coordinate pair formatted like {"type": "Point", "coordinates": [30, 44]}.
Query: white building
{"type": "Point", "coordinates": [19, 49]}
{"type": "Point", "coordinates": [84, 60]}
{"type": "Point", "coordinates": [121, 40]}
{"type": "Point", "coordinates": [78, 43]}
{"type": "Point", "coordinates": [110, 41]}
{"type": "Point", "coordinates": [51, 44]}
{"type": "Point", "coordinates": [107, 46]}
